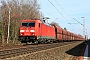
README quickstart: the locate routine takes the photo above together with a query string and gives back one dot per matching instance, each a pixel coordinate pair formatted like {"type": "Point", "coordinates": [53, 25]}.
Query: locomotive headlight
{"type": "Point", "coordinates": [21, 30]}
{"type": "Point", "coordinates": [32, 31]}
{"type": "Point", "coordinates": [21, 34]}
{"type": "Point", "coordinates": [32, 34]}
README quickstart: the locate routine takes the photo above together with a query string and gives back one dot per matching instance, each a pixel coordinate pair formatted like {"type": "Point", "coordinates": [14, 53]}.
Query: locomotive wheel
{"type": "Point", "coordinates": [51, 42]}
{"type": "Point", "coordinates": [36, 42]}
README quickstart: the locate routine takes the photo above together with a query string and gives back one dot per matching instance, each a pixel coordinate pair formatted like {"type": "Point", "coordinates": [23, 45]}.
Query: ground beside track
{"type": "Point", "coordinates": [77, 51]}
{"type": "Point", "coordinates": [57, 53]}
{"type": "Point", "coordinates": [84, 52]}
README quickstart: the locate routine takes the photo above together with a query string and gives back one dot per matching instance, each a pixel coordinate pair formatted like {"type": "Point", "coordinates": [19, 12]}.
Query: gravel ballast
{"type": "Point", "coordinates": [57, 53]}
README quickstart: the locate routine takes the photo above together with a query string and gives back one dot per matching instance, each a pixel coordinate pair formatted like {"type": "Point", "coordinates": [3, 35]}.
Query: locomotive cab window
{"type": "Point", "coordinates": [30, 24]}
{"type": "Point", "coordinates": [24, 24]}
{"type": "Point", "coordinates": [39, 24]}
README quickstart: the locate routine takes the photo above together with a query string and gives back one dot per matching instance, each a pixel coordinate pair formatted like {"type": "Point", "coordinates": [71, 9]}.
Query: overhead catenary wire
{"type": "Point", "coordinates": [78, 21]}
{"type": "Point", "coordinates": [67, 13]}
{"type": "Point", "coordinates": [61, 7]}
{"type": "Point", "coordinates": [57, 9]}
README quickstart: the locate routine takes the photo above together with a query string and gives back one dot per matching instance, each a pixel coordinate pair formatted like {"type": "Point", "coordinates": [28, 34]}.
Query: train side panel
{"type": "Point", "coordinates": [64, 33]}
{"type": "Point", "coordinates": [47, 33]}
{"type": "Point", "coordinates": [68, 35]}
{"type": "Point", "coordinates": [58, 33]}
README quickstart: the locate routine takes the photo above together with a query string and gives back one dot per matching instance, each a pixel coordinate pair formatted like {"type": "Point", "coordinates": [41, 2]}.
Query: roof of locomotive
{"type": "Point", "coordinates": [31, 21]}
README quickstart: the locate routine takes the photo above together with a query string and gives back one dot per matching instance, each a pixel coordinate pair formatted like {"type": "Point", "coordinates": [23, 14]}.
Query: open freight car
{"type": "Point", "coordinates": [64, 35]}
{"type": "Point", "coordinates": [58, 33]}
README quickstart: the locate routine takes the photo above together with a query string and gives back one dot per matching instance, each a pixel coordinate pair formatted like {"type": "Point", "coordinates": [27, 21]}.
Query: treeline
{"type": "Point", "coordinates": [14, 11]}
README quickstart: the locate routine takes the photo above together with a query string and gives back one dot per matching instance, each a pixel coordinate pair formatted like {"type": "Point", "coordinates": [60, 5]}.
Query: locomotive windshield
{"type": "Point", "coordinates": [31, 24]}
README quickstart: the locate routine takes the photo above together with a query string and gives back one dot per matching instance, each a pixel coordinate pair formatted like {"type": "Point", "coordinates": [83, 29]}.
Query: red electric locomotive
{"type": "Point", "coordinates": [36, 32]}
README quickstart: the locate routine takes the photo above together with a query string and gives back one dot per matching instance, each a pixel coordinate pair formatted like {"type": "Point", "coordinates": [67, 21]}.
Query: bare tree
{"type": "Point", "coordinates": [18, 10]}
{"type": "Point", "coordinates": [30, 10]}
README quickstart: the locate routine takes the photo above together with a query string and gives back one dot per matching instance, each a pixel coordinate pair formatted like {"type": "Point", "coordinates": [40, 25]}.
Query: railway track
{"type": "Point", "coordinates": [7, 52]}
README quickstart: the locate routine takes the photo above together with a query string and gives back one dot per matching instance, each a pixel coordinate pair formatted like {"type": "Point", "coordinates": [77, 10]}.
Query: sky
{"type": "Point", "coordinates": [63, 11]}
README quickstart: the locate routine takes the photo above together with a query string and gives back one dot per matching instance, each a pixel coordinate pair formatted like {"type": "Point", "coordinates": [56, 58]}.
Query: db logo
{"type": "Point", "coordinates": [27, 30]}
